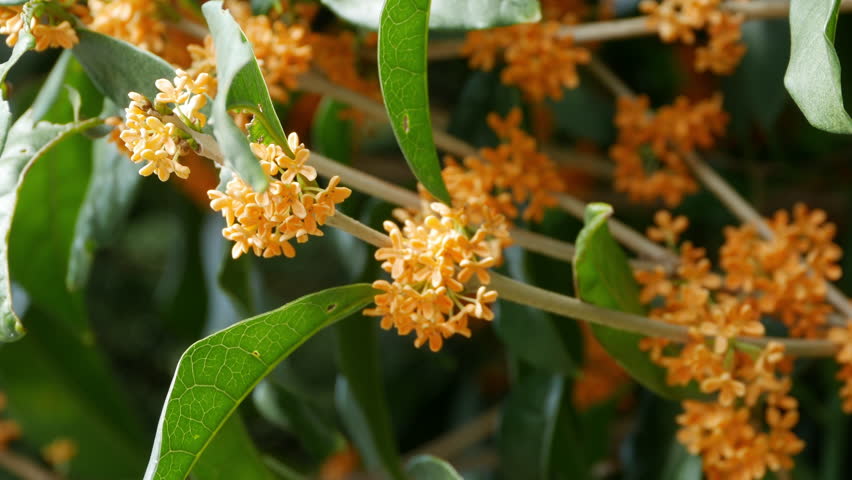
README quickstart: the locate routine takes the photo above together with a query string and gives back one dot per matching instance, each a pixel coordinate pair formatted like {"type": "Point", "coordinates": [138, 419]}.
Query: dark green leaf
{"type": "Point", "coordinates": [445, 14]}
{"type": "Point", "coordinates": [427, 467]}
{"type": "Point", "coordinates": [360, 396]}
{"type": "Point", "coordinates": [117, 67]}
{"type": "Point", "coordinates": [403, 38]}
{"type": "Point", "coordinates": [215, 374]}
{"type": "Point", "coordinates": [241, 87]}
{"type": "Point", "coordinates": [603, 277]}
{"type": "Point", "coordinates": [585, 113]}
{"type": "Point", "coordinates": [813, 74]}
{"type": "Point", "coordinates": [28, 141]}
{"type": "Point", "coordinates": [59, 385]}
{"type": "Point", "coordinates": [109, 196]}
{"type": "Point", "coordinates": [51, 89]}
{"type": "Point", "coordinates": [535, 440]}
{"type": "Point", "coordinates": [331, 134]}
{"type": "Point", "coordinates": [232, 455]}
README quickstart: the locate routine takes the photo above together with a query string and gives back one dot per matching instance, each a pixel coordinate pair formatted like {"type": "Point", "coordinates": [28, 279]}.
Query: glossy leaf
{"type": "Point", "coordinates": [232, 455]}
{"type": "Point", "coordinates": [360, 396]}
{"type": "Point", "coordinates": [427, 467]}
{"type": "Point", "coordinates": [117, 67]}
{"type": "Point", "coordinates": [813, 74]}
{"type": "Point", "coordinates": [403, 38]}
{"type": "Point", "coordinates": [215, 374]}
{"type": "Point", "coordinates": [25, 42]}
{"type": "Point", "coordinates": [331, 134]}
{"type": "Point", "coordinates": [534, 440]}
{"type": "Point", "coordinates": [240, 87]}
{"type": "Point", "coordinates": [445, 14]}
{"type": "Point", "coordinates": [58, 384]}
{"type": "Point", "coordinates": [109, 196]}
{"type": "Point", "coordinates": [603, 277]}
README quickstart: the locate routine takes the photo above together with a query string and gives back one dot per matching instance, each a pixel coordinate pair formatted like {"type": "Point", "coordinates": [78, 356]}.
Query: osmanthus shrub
{"type": "Point", "coordinates": [719, 346]}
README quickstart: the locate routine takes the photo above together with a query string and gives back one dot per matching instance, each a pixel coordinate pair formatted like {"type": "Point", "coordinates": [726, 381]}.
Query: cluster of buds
{"type": "Point", "coordinates": [431, 260]}
{"type": "Point", "coordinates": [161, 143]}
{"type": "Point", "coordinates": [292, 207]}
{"type": "Point", "coordinates": [650, 148]}
{"type": "Point", "coordinates": [540, 60]}
{"type": "Point", "coordinates": [513, 179]}
{"type": "Point", "coordinates": [48, 23]}
{"type": "Point", "coordinates": [749, 429]}
{"type": "Point", "coordinates": [680, 20]}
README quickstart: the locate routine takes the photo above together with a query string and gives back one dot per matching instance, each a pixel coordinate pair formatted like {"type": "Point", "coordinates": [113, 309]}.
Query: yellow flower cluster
{"type": "Point", "coordinates": [147, 137]}
{"type": "Point", "coordinates": [539, 60]}
{"type": "Point", "coordinates": [505, 179]}
{"type": "Point", "coordinates": [431, 259]}
{"type": "Point", "coordinates": [282, 51]}
{"type": "Point", "coordinates": [134, 21]}
{"type": "Point", "coordinates": [680, 20]}
{"type": "Point", "coordinates": [291, 207]}
{"type": "Point", "coordinates": [46, 35]}
{"type": "Point", "coordinates": [649, 151]}
{"type": "Point", "coordinates": [748, 430]}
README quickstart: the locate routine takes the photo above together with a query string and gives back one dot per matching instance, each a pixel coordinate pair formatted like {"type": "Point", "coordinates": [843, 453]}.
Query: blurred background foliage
{"type": "Point", "coordinates": [97, 361]}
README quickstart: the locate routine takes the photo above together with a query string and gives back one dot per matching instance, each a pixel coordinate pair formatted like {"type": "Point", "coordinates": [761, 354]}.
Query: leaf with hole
{"type": "Point", "coordinates": [813, 74]}
{"type": "Point", "coordinates": [216, 373]}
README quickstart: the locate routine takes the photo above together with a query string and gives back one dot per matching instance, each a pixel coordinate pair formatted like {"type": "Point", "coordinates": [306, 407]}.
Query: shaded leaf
{"type": "Point", "coordinates": [59, 385]}
{"type": "Point", "coordinates": [232, 455]}
{"type": "Point", "coordinates": [427, 467]}
{"type": "Point", "coordinates": [117, 67]}
{"type": "Point", "coordinates": [603, 277]}
{"type": "Point", "coordinates": [813, 74]}
{"type": "Point", "coordinates": [240, 87]}
{"type": "Point", "coordinates": [215, 374]}
{"type": "Point", "coordinates": [25, 42]}
{"type": "Point", "coordinates": [360, 396]}
{"type": "Point", "coordinates": [445, 14]}
{"type": "Point", "coordinates": [331, 134]}
{"type": "Point", "coordinates": [403, 38]}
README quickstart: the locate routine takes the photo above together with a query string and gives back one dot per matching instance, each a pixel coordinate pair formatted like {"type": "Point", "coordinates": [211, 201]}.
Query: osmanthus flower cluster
{"type": "Point", "coordinates": [49, 23]}
{"type": "Point", "coordinates": [538, 58]}
{"type": "Point", "coordinates": [512, 179]}
{"type": "Point", "coordinates": [649, 151]}
{"type": "Point", "coordinates": [434, 260]}
{"type": "Point", "coordinates": [748, 429]}
{"type": "Point", "coordinates": [681, 20]}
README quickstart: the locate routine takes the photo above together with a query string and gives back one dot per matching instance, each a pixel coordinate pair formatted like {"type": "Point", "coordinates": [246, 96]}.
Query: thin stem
{"type": "Point", "coordinates": [24, 468]}
{"type": "Point", "coordinates": [457, 441]}
{"type": "Point", "coordinates": [535, 297]}
{"type": "Point", "coordinates": [726, 194]}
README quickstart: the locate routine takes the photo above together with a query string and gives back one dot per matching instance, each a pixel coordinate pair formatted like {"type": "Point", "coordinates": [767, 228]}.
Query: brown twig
{"type": "Point", "coordinates": [24, 468]}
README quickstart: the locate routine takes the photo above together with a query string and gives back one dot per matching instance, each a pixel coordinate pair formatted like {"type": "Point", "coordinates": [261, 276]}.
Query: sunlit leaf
{"type": "Point", "coordinates": [445, 14]}
{"type": "Point", "coordinates": [215, 374]}
{"type": "Point", "coordinates": [813, 74]}
{"type": "Point", "coordinates": [603, 277]}
{"type": "Point", "coordinates": [403, 38]}
{"type": "Point", "coordinates": [427, 467]}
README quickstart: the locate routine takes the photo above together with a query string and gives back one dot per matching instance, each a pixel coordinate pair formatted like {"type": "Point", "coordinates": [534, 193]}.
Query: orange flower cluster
{"type": "Point", "coordinates": [10, 430]}
{"type": "Point", "coordinates": [431, 259]}
{"type": "Point", "coordinates": [539, 60]}
{"type": "Point", "coordinates": [502, 178]}
{"type": "Point", "coordinates": [282, 52]}
{"type": "Point", "coordinates": [784, 278]}
{"type": "Point", "coordinates": [650, 147]}
{"type": "Point", "coordinates": [565, 11]}
{"type": "Point", "coordinates": [336, 56]}
{"type": "Point", "coordinates": [291, 207]}
{"type": "Point", "coordinates": [46, 35]}
{"type": "Point", "coordinates": [600, 377]}
{"type": "Point", "coordinates": [679, 20]}
{"type": "Point", "coordinates": [159, 143]}
{"type": "Point", "coordinates": [134, 21]}
{"type": "Point", "coordinates": [60, 451]}
{"type": "Point", "coordinates": [842, 337]}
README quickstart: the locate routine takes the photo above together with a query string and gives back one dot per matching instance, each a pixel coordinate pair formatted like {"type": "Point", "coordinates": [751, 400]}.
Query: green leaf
{"type": "Point", "coordinates": [117, 67]}
{"type": "Point", "coordinates": [360, 396]}
{"type": "Point", "coordinates": [813, 74]}
{"type": "Point", "coordinates": [28, 141]}
{"type": "Point", "coordinates": [25, 42]}
{"type": "Point", "coordinates": [445, 14]}
{"type": "Point", "coordinates": [403, 38]}
{"type": "Point", "coordinates": [535, 440]}
{"type": "Point", "coordinates": [109, 196]}
{"type": "Point", "coordinates": [331, 135]}
{"type": "Point", "coordinates": [603, 277]}
{"type": "Point", "coordinates": [241, 87]}
{"type": "Point", "coordinates": [215, 374]}
{"type": "Point", "coordinates": [58, 385]}
{"type": "Point", "coordinates": [427, 467]}
{"type": "Point", "coordinates": [231, 455]}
